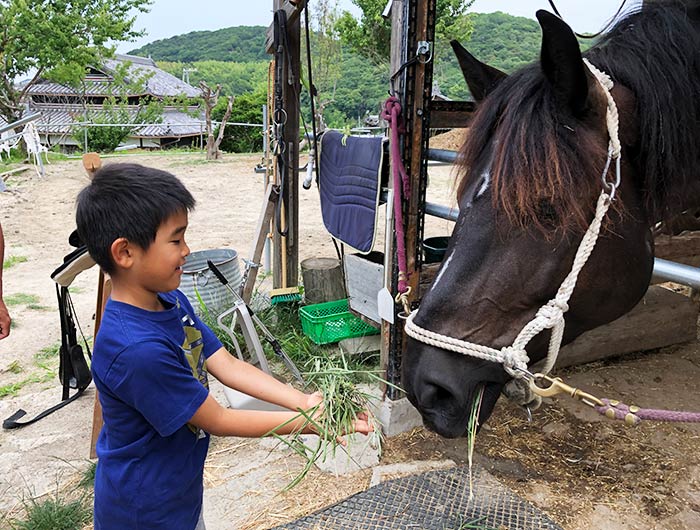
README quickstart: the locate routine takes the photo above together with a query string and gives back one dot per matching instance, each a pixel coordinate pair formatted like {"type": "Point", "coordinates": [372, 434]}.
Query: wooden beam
{"type": "Point", "coordinates": [104, 288]}
{"type": "Point", "coordinates": [683, 248]}
{"type": "Point", "coordinates": [451, 114]}
{"type": "Point", "coordinates": [286, 271]}
{"type": "Point", "coordinates": [293, 10]}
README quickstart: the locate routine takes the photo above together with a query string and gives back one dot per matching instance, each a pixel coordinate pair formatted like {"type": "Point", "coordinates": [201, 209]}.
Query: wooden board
{"type": "Point", "coordinates": [104, 288]}
{"type": "Point", "coordinates": [662, 318]}
{"type": "Point", "coordinates": [364, 278]}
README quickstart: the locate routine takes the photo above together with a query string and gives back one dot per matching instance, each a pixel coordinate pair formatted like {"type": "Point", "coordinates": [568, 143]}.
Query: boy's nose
{"type": "Point", "coordinates": [185, 250]}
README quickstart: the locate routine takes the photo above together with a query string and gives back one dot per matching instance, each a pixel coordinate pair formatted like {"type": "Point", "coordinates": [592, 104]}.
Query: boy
{"type": "Point", "coordinates": [152, 355]}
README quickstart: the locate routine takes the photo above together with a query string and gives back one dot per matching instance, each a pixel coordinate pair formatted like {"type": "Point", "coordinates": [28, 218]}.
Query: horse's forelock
{"type": "Point", "coordinates": [538, 156]}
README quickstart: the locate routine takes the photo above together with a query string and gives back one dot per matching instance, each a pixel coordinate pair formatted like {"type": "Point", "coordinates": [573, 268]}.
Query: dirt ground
{"type": "Point", "coordinates": [580, 469]}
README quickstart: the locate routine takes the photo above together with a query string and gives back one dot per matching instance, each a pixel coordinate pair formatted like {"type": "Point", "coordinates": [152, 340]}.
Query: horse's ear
{"type": "Point", "coordinates": [562, 63]}
{"type": "Point", "coordinates": [481, 78]}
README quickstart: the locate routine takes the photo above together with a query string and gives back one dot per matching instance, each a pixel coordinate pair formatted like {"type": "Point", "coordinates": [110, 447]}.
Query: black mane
{"type": "Point", "coordinates": [655, 52]}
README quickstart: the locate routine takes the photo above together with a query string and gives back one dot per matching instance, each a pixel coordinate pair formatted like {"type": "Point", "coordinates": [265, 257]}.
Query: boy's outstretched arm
{"type": "Point", "coordinates": [250, 380]}
{"type": "Point", "coordinates": [233, 372]}
{"type": "Point", "coordinates": [215, 419]}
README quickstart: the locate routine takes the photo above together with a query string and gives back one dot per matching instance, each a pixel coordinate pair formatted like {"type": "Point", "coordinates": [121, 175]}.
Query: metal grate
{"type": "Point", "coordinates": [436, 500]}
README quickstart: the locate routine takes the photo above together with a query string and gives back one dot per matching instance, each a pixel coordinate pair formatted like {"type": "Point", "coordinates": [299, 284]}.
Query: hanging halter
{"type": "Point", "coordinates": [514, 358]}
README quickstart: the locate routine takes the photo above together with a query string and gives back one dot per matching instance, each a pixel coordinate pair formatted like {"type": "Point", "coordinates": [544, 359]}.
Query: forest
{"type": "Point", "coordinates": [235, 57]}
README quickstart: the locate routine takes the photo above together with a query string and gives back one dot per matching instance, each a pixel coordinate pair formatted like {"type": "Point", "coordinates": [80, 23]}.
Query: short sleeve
{"type": "Point", "coordinates": [150, 377]}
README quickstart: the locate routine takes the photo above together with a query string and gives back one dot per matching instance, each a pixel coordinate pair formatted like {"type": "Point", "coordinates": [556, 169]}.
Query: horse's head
{"type": "Point", "coordinates": [531, 178]}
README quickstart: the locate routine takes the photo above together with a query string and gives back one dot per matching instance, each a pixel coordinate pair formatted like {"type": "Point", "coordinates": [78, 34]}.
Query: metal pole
{"type": "Point", "coordinates": [670, 271]}
{"type": "Point", "coordinates": [20, 122]}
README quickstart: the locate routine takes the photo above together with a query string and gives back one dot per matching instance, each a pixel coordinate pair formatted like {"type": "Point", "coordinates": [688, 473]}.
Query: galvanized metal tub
{"type": "Point", "coordinates": [197, 279]}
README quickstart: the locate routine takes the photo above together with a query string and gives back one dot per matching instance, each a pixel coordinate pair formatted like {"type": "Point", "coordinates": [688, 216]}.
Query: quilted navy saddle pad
{"type": "Point", "coordinates": [350, 178]}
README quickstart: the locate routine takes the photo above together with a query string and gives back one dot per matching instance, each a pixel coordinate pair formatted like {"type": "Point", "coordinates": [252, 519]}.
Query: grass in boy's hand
{"type": "Point", "coordinates": [343, 403]}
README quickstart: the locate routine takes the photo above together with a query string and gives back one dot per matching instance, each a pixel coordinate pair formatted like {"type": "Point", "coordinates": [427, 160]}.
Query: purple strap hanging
{"type": "Point", "coordinates": [392, 114]}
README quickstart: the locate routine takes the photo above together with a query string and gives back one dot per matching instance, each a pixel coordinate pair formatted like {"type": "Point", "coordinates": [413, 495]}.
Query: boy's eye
{"type": "Point", "coordinates": [176, 241]}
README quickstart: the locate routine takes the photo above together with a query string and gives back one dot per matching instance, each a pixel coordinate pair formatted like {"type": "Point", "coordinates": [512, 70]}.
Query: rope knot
{"type": "Point", "coordinates": [391, 105]}
{"type": "Point", "coordinates": [514, 358]}
{"type": "Point", "coordinates": [552, 312]}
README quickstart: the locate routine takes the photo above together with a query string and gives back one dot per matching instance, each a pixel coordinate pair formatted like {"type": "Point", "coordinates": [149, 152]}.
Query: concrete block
{"type": "Point", "coordinates": [361, 452]}
{"type": "Point", "coordinates": [356, 345]}
{"type": "Point", "coordinates": [397, 416]}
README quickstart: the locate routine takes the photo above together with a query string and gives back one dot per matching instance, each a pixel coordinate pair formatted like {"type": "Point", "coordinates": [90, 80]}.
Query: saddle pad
{"type": "Point", "coordinates": [350, 173]}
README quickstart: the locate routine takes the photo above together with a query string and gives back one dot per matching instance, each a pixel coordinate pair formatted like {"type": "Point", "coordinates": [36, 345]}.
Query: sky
{"type": "Point", "coordinates": [175, 17]}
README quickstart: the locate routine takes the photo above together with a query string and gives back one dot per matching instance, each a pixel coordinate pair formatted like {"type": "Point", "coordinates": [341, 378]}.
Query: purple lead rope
{"type": "Point", "coordinates": [633, 415]}
{"type": "Point", "coordinates": [392, 114]}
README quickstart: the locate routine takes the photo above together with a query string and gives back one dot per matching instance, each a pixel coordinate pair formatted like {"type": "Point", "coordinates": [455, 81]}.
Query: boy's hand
{"type": "Point", "coordinates": [361, 424]}
{"type": "Point", "coordinates": [312, 400]}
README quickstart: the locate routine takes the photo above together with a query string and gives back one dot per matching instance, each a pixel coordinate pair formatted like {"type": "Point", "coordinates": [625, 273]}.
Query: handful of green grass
{"type": "Point", "coordinates": [343, 401]}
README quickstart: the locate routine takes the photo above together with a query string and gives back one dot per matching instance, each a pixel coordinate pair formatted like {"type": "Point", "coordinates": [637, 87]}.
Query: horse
{"type": "Point", "coordinates": [529, 184]}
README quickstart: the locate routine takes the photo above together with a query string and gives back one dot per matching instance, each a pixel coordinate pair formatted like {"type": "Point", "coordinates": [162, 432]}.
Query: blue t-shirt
{"type": "Point", "coordinates": [149, 368]}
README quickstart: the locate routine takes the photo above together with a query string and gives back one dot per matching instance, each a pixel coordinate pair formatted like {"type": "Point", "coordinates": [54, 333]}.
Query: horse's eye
{"type": "Point", "coordinates": [546, 212]}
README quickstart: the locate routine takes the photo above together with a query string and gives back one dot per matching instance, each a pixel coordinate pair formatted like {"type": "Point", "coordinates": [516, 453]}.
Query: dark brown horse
{"type": "Point", "coordinates": [531, 176]}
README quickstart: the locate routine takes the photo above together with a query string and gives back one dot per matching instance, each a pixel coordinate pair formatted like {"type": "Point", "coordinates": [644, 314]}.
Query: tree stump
{"type": "Point", "coordinates": [323, 280]}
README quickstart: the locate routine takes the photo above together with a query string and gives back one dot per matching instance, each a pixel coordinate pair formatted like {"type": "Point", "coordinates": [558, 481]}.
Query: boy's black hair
{"type": "Point", "coordinates": [130, 201]}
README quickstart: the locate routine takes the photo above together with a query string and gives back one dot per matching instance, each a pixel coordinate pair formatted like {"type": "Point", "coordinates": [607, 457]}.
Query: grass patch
{"type": "Point", "coordinates": [11, 261]}
{"type": "Point", "coordinates": [14, 368]}
{"type": "Point", "coordinates": [88, 477]}
{"type": "Point", "coordinates": [12, 389]}
{"type": "Point", "coordinates": [48, 352]}
{"type": "Point", "coordinates": [55, 514]}
{"type": "Point", "coordinates": [29, 300]}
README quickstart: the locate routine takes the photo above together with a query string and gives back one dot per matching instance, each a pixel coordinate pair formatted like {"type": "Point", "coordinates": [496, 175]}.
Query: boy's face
{"type": "Point", "coordinates": [159, 268]}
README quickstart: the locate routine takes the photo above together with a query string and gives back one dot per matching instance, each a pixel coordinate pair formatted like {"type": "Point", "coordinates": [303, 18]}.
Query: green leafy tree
{"type": "Point", "coordinates": [39, 36]}
{"type": "Point", "coordinates": [370, 36]}
{"type": "Point", "coordinates": [240, 44]}
{"type": "Point", "coordinates": [247, 108]}
{"type": "Point", "coordinates": [234, 77]}
{"type": "Point", "coordinates": [327, 55]}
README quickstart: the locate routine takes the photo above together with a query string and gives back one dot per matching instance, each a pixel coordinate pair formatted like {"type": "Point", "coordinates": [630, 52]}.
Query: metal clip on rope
{"type": "Point", "coordinates": [558, 386]}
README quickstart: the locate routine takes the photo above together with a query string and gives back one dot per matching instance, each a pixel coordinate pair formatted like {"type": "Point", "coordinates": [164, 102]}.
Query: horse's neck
{"type": "Point", "coordinates": [683, 197]}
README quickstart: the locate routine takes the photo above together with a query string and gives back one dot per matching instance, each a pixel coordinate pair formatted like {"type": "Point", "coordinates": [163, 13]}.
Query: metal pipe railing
{"type": "Point", "coordinates": [664, 270]}
{"type": "Point", "coordinates": [20, 122]}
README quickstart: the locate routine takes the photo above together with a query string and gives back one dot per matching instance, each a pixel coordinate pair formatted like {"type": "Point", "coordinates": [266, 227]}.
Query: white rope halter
{"type": "Point", "coordinates": [551, 315]}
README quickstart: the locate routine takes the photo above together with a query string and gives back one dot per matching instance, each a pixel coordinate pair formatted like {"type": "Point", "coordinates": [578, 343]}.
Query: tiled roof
{"type": "Point", "coordinates": [158, 82]}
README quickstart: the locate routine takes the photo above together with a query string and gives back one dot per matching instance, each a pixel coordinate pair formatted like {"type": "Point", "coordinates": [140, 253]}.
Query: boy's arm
{"type": "Point", "coordinates": [215, 419]}
{"type": "Point", "coordinates": [250, 380]}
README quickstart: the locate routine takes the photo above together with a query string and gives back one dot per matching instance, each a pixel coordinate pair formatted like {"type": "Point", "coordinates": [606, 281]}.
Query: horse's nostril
{"type": "Point", "coordinates": [436, 396]}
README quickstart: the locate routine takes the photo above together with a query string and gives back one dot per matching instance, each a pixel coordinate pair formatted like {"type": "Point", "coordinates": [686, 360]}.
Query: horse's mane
{"type": "Point", "coordinates": [541, 158]}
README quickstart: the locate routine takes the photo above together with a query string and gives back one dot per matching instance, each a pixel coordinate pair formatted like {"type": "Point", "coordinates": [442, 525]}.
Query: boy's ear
{"type": "Point", "coordinates": [122, 253]}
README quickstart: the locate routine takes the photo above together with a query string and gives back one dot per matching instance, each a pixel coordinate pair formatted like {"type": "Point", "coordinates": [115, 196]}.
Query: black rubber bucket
{"type": "Point", "coordinates": [434, 249]}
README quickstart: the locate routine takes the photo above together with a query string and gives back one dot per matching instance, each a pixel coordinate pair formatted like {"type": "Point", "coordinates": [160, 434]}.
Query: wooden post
{"type": "Point", "coordinates": [291, 84]}
{"type": "Point", "coordinates": [417, 29]}
{"type": "Point", "coordinates": [398, 56]}
{"type": "Point", "coordinates": [104, 288]}
{"type": "Point", "coordinates": [323, 280]}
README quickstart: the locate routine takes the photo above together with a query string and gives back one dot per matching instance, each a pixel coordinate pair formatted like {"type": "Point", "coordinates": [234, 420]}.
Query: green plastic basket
{"type": "Point", "coordinates": [331, 322]}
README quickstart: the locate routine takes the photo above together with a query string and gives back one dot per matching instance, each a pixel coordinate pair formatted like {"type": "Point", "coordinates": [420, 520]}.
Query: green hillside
{"type": "Point", "coordinates": [235, 58]}
{"type": "Point", "coordinates": [238, 44]}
